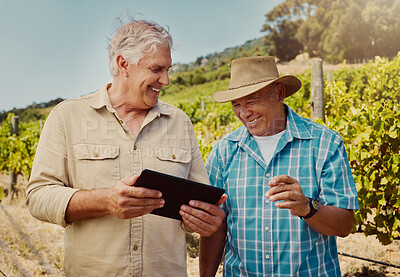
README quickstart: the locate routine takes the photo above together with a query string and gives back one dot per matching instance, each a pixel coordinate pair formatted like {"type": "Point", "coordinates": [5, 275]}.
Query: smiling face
{"type": "Point", "coordinates": [146, 79]}
{"type": "Point", "coordinates": [262, 112]}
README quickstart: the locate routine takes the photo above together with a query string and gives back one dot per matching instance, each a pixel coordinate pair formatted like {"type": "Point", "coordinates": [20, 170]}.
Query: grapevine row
{"type": "Point", "coordinates": [361, 105]}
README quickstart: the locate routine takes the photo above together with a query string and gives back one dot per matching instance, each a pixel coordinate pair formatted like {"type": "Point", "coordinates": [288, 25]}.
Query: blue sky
{"type": "Point", "coordinates": [58, 48]}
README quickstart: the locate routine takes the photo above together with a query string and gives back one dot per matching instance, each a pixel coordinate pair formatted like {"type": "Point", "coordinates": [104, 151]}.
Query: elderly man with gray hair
{"type": "Point", "coordinates": [90, 154]}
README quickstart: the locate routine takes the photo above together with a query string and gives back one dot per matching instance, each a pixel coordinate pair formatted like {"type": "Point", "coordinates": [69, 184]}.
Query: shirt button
{"type": "Point", "coordinates": [267, 201]}
{"type": "Point", "coordinates": [267, 257]}
{"type": "Point", "coordinates": [134, 147]}
{"type": "Point", "coordinates": [135, 247]}
{"type": "Point", "coordinates": [121, 122]}
{"type": "Point", "coordinates": [174, 157]}
{"type": "Point", "coordinates": [268, 175]}
{"type": "Point", "coordinates": [266, 228]}
{"type": "Point", "coordinates": [95, 154]}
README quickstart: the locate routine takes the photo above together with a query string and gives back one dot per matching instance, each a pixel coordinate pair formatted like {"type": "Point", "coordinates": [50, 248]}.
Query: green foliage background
{"type": "Point", "coordinates": [361, 104]}
{"type": "Point", "coordinates": [17, 152]}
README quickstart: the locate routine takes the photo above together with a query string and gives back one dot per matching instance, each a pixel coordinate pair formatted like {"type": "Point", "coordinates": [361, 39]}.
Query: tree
{"type": "Point", "coordinates": [344, 37]}
{"type": "Point", "coordinates": [312, 30]}
{"type": "Point", "coordinates": [383, 21]}
{"type": "Point", "coordinates": [282, 25]}
{"type": "Point", "coordinates": [285, 45]}
{"type": "Point", "coordinates": [335, 29]}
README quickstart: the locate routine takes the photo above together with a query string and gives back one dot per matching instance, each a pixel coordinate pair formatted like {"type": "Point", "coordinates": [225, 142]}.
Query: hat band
{"type": "Point", "coordinates": [253, 83]}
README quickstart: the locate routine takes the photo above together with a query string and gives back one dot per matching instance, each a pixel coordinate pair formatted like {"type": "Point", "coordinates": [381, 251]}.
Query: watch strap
{"type": "Point", "coordinates": [313, 210]}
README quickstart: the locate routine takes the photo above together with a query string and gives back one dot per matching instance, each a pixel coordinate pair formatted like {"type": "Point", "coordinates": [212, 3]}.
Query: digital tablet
{"type": "Point", "coordinates": [177, 191]}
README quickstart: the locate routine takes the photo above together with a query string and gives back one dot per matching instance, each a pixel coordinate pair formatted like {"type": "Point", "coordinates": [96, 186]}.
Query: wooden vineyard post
{"type": "Point", "coordinates": [317, 90]}
{"type": "Point", "coordinates": [13, 175]}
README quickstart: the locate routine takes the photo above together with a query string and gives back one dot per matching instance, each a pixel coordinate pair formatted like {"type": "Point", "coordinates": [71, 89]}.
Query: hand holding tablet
{"type": "Point", "coordinates": [177, 191]}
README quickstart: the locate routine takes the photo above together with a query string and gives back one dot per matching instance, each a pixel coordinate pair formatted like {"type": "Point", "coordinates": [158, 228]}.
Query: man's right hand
{"type": "Point", "coordinates": [123, 200]}
{"type": "Point", "coordinates": [127, 201]}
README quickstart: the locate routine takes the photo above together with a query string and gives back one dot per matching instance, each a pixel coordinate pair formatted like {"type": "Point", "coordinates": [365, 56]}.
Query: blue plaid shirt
{"type": "Point", "coordinates": [263, 240]}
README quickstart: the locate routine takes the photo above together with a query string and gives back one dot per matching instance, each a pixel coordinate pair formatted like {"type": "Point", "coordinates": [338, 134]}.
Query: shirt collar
{"type": "Point", "coordinates": [295, 126]}
{"type": "Point", "coordinates": [101, 99]}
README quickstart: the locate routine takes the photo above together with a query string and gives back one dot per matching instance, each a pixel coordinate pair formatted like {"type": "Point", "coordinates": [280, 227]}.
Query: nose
{"type": "Point", "coordinates": [244, 112]}
{"type": "Point", "coordinates": [164, 79]}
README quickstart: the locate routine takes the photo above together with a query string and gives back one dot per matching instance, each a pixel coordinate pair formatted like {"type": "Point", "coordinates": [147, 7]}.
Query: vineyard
{"type": "Point", "coordinates": [361, 104]}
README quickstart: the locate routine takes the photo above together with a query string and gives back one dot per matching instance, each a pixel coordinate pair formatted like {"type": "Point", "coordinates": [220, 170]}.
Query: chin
{"type": "Point", "coordinates": [256, 133]}
{"type": "Point", "coordinates": [252, 130]}
{"type": "Point", "coordinates": [152, 103]}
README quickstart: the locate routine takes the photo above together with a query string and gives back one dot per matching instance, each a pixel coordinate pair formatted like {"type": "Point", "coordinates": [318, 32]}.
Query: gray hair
{"type": "Point", "coordinates": [134, 40]}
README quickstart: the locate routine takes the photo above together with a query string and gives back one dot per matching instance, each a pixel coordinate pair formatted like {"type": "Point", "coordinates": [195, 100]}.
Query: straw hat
{"type": "Point", "coordinates": [251, 74]}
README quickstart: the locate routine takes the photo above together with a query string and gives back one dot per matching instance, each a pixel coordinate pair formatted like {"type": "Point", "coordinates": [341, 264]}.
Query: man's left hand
{"type": "Point", "coordinates": [202, 217]}
{"type": "Point", "coordinates": [287, 189]}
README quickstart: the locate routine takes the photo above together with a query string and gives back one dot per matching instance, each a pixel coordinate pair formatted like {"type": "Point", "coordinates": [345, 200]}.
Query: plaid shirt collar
{"type": "Point", "coordinates": [295, 129]}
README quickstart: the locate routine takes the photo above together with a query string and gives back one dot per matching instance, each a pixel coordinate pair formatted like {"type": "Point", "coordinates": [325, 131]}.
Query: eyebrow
{"type": "Point", "coordinates": [158, 66]}
{"type": "Point", "coordinates": [252, 97]}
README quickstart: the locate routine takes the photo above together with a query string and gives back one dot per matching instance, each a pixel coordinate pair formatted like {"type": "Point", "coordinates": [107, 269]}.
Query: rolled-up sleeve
{"type": "Point", "coordinates": [48, 192]}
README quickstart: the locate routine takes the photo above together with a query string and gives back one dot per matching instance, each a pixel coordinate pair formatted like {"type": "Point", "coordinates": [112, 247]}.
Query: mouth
{"type": "Point", "coordinates": [253, 121]}
{"type": "Point", "coordinates": [155, 89]}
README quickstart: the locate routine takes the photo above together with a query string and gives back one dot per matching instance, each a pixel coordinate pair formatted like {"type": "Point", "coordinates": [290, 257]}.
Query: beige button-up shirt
{"type": "Point", "coordinates": [84, 145]}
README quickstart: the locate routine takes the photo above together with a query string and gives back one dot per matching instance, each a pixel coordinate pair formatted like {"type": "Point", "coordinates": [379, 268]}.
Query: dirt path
{"type": "Point", "coordinates": [29, 247]}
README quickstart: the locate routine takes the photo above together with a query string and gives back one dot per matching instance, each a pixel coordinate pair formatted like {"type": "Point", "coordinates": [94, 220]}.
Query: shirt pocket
{"type": "Point", "coordinates": [97, 165]}
{"type": "Point", "coordinates": [173, 160]}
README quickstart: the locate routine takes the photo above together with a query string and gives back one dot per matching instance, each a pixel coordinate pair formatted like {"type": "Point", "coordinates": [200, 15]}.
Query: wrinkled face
{"type": "Point", "coordinates": [148, 77]}
{"type": "Point", "coordinates": [261, 112]}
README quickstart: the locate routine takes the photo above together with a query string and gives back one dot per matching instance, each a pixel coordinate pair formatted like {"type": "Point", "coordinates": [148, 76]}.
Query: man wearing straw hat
{"type": "Point", "coordinates": [289, 184]}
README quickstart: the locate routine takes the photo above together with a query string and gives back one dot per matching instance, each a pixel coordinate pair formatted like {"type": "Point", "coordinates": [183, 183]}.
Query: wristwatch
{"type": "Point", "coordinates": [314, 206]}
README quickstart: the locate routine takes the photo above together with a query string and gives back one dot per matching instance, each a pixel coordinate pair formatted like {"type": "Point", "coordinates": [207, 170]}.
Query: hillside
{"type": "Point", "coordinates": [29, 247]}
{"type": "Point", "coordinates": [35, 111]}
{"type": "Point", "coordinates": [370, 130]}
{"type": "Point", "coordinates": [206, 69]}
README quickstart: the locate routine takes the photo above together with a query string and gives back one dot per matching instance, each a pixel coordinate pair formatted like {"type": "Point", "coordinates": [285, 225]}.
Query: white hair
{"type": "Point", "coordinates": [134, 40]}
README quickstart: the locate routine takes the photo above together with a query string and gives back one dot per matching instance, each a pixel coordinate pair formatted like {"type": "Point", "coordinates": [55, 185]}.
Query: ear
{"type": "Point", "coordinates": [122, 65]}
{"type": "Point", "coordinates": [280, 92]}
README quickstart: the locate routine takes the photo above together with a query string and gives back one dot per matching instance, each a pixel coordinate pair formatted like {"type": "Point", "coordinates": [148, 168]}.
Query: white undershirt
{"type": "Point", "coordinates": [267, 145]}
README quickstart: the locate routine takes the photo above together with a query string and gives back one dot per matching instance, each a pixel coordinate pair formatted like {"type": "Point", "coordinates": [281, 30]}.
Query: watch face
{"type": "Point", "coordinates": [315, 204]}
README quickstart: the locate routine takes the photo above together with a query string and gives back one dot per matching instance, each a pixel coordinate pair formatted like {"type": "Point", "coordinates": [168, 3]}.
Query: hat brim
{"type": "Point", "coordinates": [291, 83]}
